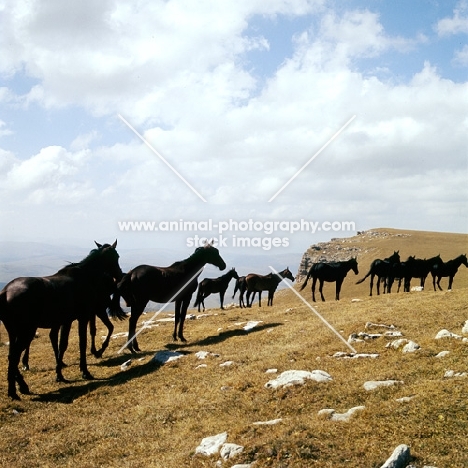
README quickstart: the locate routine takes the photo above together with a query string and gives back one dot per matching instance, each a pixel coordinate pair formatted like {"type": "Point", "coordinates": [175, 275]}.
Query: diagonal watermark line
{"type": "Point", "coordinates": [161, 309]}
{"type": "Point", "coordinates": [312, 158]}
{"type": "Point", "coordinates": [178, 174]}
{"type": "Point", "coordinates": [315, 312]}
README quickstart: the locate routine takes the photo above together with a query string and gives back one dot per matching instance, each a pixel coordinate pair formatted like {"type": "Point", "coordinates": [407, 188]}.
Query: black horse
{"type": "Point", "coordinates": [72, 293]}
{"type": "Point", "coordinates": [176, 282]}
{"type": "Point", "coordinates": [258, 283]}
{"type": "Point", "coordinates": [449, 269]}
{"type": "Point", "coordinates": [381, 269]}
{"type": "Point", "coordinates": [241, 287]}
{"type": "Point", "coordinates": [107, 288]}
{"type": "Point", "coordinates": [214, 285]}
{"type": "Point", "coordinates": [419, 268]}
{"type": "Point", "coordinates": [398, 271]}
{"type": "Point", "coordinates": [330, 272]}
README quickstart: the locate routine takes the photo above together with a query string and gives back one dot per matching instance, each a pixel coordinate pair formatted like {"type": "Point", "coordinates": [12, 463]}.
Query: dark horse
{"type": "Point", "coordinates": [330, 272]}
{"type": "Point", "coordinates": [106, 289]}
{"type": "Point", "coordinates": [27, 304]}
{"type": "Point", "coordinates": [241, 287]}
{"type": "Point", "coordinates": [419, 268]}
{"type": "Point", "coordinates": [449, 269]}
{"type": "Point", "coordinates": [217, 285]}
{"type": "Point", "coordinates": [258, 283]}
{"type": "Point", "coordinates": [398, 271]}
{"type": "Point", "coordinates": [381, 269]}
{"type": "Point", "coordinates": [176, 282]}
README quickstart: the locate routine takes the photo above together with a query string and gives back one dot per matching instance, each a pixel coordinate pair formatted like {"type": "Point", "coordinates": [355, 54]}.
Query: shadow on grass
{"type": "Point", "coordinates": [223, 336]}
{"type": "Point", "coordinates": [69, 393]}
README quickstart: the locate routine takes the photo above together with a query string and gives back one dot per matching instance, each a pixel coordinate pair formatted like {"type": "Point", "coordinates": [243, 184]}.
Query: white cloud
{"type": "Point", "coordinates": [461, 57]}
{"type": "Point", "coordinates": [457, 24]}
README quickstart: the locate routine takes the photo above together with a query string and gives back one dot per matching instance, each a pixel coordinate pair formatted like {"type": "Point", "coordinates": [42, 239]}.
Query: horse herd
{"type": "Point", "coordinates": [93, 287]}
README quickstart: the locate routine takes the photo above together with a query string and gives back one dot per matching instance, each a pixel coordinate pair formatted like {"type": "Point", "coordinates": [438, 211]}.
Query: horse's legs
{"type": "Point", "coordinates": [83, 340]}
{"type": "Point", "coordinates": [18, 344]}
{"type": "Point", "coordinates": [102, 314]}
{"type": "Point", "coordinates": [259, 298]}
{"type": "Point", "coordinates": [221, 298]}
{"type": "Point", "coordinates": [314, 282]}
{"type": "Point", "coordinates": [247, 295]}
{"type": "Point", "coordinates": [450, 282]}
{"type": "Point", "coordinates": [64, 334]}
{"type": "Point", "coordinates": [338, 289]}
{"type": "Point", "coordinates": [136, 311]}
{"type": "Point", "coordinates": [181, 307]}
{"type": "Point", "coordinates": [321, 289]}
{"type": "Point", "coordinates": [438, 283]}
{"type": "Point", "coordinates": [25, 359]}
{"type": "Point", "coordinates": [92, 334]}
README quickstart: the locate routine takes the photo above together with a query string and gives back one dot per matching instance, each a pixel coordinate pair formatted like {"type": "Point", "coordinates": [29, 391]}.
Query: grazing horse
{"type": "Point", "coordinates": [449, 269]}
{"type": "Point", "coordinates": [217, 285]}
{"type": "Point", "coordinates": [72, 293]}
{"type": "Point", "coordinates": [419, 268]}
{"type": "Point", "coordinates": [175, 283]}
{"type": "Point", "coordinates": [330, 272]}
{"type": "Point", "coordinates": [258, 283]}
{"type": "Point", "coordinates": [381, 269]}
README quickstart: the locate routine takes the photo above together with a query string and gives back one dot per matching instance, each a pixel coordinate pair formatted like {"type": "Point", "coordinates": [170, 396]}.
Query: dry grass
{"type": "Point", "coordinates": [153, 415]}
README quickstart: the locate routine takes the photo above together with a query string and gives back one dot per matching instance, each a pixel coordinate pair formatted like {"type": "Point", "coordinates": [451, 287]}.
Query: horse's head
{"type": "Point", "coordinates": [234, 274]}
{"type": "Point", "coordinates": [109, 259]}
{"type": "Point", "coordinates": [464, 260]}
{"type": "Point", "coordinates": [211, 255]}
{"type": "Point", "coordinates": [286, 273]}
{"type": "Point", "coordinates": [354, 265]}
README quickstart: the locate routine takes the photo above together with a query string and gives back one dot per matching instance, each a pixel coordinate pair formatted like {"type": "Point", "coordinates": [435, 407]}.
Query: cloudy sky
{"type": "Point", "coordinates": [237, 96]}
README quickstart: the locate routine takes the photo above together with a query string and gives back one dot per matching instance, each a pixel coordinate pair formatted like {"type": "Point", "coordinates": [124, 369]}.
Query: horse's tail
{"type": "Point", "coordinates": [363, 279]}
{"type": "Point", "coordinates": [199, 297]}
{"type": "Point", "coordinates": [3, 305]}
{"type": "Point", "coordinates": [309, 274]}
{"type": "Point", "coordinates": [236, 287]}
{"type": "Point", "coordinates": [122, 289]}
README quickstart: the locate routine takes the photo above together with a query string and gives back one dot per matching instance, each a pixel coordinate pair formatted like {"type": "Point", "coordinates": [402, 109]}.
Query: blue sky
{"type": "Point", "coordinates": [237, 95]}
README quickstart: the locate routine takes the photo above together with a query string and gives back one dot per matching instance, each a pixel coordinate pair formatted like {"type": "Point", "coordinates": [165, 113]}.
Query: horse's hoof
{"type": "Point", "coordinates": [183, 339]}
{"type": "Point", "coordinates": [61, 379]}
{"type": "Point", "coordinates": [14, 396]}
{"type": "Point", "coordinates": [25, 368]}
{"type": "Point", "coordinates": [25, 391]}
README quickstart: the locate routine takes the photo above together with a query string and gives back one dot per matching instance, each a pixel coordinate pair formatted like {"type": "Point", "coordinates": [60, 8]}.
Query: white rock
{"type": "Point", "coordinates": [407, 346]}
{"type": "Point", "coordinates": [405, 399]}
{"type": "Point", "coordinates": [446, 334]}
{"type": "Point", "coordinates": [167, 356]}
{"type": "Point", "coordinates": [230, 451]}
{"type": "Point", "coordinates": [451, 373]}
{"type": "Point", "coordinates": [344, 355]}
{"type": "Point", "coordinates": [252, 324]}
{"type": "Point", "coordinates": [226, 364]}
{"type": "Point", "coordinates": [211, 445]}
{"type": "Point", "coordinates": [243, 465]}
{"type": "Point", "coordinates": [356, 300]}
{"type": "Point", "coordinates": [202, 354]}
{"type": "Point", "coordinates": [297, 377]}
{"type": "Point", "coordinates": [399, 458]}
{"type": "Point", "coordinates": [126, 365]}
{"type": "Point", "coordinates": [465, 328]}
{"type": "Point", "coordinates": [201, 366]}
{"type": "Point", "coordinates": [417, 288]}
{"type": "Point", "coordinates": [370, 325]}
{"type": "Point", "coordinates": [271, 371]}
{"type": "Point", "coordinates": [272, 422]}
{"type": "Point", "coordinates": [341, 417]}
{"type": "Point", "coordinates": [373, 384]}
{"type": "Point", "coordinates": [411, 347]}
{"type": "Point", "coordinates": [443, 354]}
{"type": "Point", "coordinates": [393, 334]}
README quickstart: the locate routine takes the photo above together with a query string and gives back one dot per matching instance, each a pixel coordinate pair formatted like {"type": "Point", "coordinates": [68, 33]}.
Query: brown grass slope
{"type": "Point", "coordinates": [156, 415]}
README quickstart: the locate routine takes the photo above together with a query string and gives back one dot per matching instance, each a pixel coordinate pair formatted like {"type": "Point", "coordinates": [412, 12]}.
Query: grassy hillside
{"type": "Point", "coordinates": [154, 415]}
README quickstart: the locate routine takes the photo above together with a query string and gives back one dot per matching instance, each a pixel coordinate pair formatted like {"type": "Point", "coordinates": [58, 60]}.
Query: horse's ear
{"type": "Point", "coordinates": [114, 245]}
{"type": "Point", "coordinates": [98, 245]}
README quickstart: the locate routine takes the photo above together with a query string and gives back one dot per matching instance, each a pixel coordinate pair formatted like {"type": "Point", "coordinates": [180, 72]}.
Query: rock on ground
{"type": "Point", "coordinates": [297, 377]}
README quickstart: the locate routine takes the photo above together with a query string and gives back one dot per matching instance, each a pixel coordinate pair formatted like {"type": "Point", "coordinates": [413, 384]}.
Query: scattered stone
{"type": "Point", "coordinates": [405, 399]}
{"type": "Point", "coordinates": [374, 384]}
{"type": "Point", "coordinates": [399, 458]}
{"type": "Point", "coordinates": [343, 355]}
{"type": "Point", "coordinates": [119, 335]}
{"type": "Point", "coordinates": [200, 366]}
{"type": "Point", "coordinates": [126, 365]}
{"type": "Point", "coordinates": [226, 364]}
{"type": "Point", "coordinates": [342, 417]}
{"type": "Point", "coordinates": [290, 309]}
{"type": "Point", "coordinates": [229, 451]}
{"type": "Point", "coordinates": [407, 346]}
{"type": "Point", "coordinates": [252, 324]}
{"type": "Point", "coordinates": [450, 374]}
{"type": "Point", "coordinates": [356, 300]}
{"type": "Point", "coordinates": [297, 377]}
{"type": "Point", "coordinates": [370, 325]}
{"type": "Point", "coordinates": [392, 334]}
{"type": "Point", "coordinates": [443, 354]}
{"type": "Point", "coordinates": [271, 371]}
{"type": "Point", "coordinates": [167, 356]}
{"type": "Point", "coordinates": [211, 445]}
{"type": "Point", "coordinates": [272, 422]}
{"type": "Point", "coordinates": [465, 328]}
{"type": "Point", "coordinates": [446, 334]}
{"type": "Point", "coordinates": [417, 288]}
